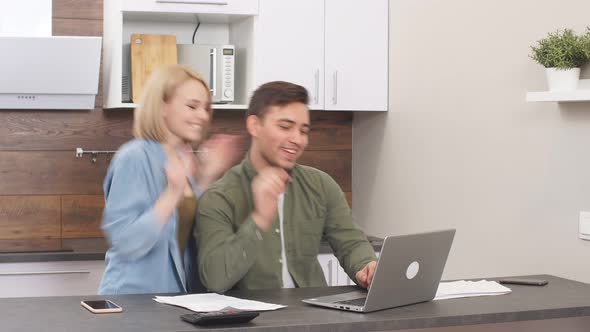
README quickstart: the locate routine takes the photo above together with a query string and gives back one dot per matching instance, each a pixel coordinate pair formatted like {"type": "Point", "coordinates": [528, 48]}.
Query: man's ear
{"type": "Point", "coordinates": [252, 123]}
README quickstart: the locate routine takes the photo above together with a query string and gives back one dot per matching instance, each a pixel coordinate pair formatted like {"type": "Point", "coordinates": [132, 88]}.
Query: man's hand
{"type": "Point", "coordinates": [364, 277]}
{"type": "Point", "coordinates": [266, 188]}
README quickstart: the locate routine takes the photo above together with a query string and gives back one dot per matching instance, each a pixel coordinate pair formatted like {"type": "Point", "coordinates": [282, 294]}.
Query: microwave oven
{"type": "Point", "coordinates": [215, 64]}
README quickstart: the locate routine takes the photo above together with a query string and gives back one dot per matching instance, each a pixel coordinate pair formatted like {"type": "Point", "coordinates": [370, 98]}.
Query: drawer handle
{"type": "Point", "coordinates": [335, 95]}
{"type": "Point", "coordinates": [41, 273]}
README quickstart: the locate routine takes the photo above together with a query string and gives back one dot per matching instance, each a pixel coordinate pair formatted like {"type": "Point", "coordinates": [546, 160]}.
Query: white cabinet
{"type": "Point", "coordinates": [218, 22]}
{"type": "Point", "coordinates": [328, 263]}
{"type": "Point", "coordinates": [337, 49]}
{"type": "Point", "coordinates": [50, 278]}
{"type": "Point", "coordinates": [231, 7]}
{"type": "Point", "coordinates": [290, 45]}
{"type": "Point", "coordinates": [356, 55]}
{"type": "Point", "coordinates": [334, 273]}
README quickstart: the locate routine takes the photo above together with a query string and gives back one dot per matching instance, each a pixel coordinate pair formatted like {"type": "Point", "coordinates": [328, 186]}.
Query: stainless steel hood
{"type": "Point", "coordinates": [49, 72]}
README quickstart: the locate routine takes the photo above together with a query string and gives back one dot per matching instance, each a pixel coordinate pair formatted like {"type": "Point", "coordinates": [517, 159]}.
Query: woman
{"type": "Point", "coordinates": [152, 185]}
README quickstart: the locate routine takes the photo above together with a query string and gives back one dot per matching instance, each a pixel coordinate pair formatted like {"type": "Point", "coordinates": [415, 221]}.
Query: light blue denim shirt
{"type": "Point", "coordinates": [143, 255]}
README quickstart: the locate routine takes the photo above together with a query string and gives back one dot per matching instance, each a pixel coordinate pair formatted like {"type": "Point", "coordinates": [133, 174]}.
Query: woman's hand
{"type": "Point", "coordinates": [180, 165]}
{"type": "Point", "coordinates": [217, 155]}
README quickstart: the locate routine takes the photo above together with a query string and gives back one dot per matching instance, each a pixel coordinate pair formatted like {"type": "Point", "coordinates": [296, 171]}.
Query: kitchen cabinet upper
{"type": "Point", "coordinates": [337, 49]}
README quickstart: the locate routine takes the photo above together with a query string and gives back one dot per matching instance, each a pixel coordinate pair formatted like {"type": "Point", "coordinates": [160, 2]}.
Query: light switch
{"type": "Point", "coordinates": [584, 228]}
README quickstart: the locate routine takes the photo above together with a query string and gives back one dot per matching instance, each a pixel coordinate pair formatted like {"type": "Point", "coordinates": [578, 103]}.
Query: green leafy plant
{"type": "Point", "coordinates": [562, 50]}
{"type": "Point", "coordinates": [586, 43]}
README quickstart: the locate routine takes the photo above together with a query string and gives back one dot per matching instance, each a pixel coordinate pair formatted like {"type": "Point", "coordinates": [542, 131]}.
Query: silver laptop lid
{"type": "Point", "coordinates": [409, 269]}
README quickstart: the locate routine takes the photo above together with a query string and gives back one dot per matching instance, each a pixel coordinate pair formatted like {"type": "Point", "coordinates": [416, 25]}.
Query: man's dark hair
{"type": "Point", "coordinates": [277, 93]}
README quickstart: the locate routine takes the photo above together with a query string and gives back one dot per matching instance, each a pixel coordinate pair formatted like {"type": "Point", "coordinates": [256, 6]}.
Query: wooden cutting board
{"type": "Point", "coordinates": [148, 52]}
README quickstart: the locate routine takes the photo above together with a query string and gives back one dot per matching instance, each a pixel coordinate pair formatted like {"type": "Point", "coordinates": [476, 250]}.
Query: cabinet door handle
{"type": "Point", "coordinates": [197, 2]}
{"type": "Point", "coordinates": [213, 71]}
{"type": "Point", "coordinates": [28, 273]}
{"type": "Point", "coordinates": [335, 96]}
{"type": "Point", "coordinates": [330, 272]}
{"type": "Point", "coordinates": [317, 86]}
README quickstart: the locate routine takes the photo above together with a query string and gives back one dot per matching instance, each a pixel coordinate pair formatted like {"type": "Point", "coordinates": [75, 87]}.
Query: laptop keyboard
{"type": "Point", "coordinates": [358, 302]}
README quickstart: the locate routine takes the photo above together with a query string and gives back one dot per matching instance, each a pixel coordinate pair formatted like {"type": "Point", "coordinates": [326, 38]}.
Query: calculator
{"type": "Point", "coordinates": [220, 317]}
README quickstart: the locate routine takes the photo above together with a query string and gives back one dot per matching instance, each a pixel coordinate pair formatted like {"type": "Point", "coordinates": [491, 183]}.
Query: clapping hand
{"type": "Point", "coordinates": [267, 186]}
{"type": "Point", "coordinates": [216, 156]}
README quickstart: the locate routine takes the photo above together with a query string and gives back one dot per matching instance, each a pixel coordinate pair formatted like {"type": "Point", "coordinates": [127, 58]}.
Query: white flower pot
{"type": "Point", "coordinates": [563, 79]}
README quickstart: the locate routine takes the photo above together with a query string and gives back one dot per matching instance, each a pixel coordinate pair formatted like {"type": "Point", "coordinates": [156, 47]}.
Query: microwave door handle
{"type": "Point", "coordinates": [213, 71]}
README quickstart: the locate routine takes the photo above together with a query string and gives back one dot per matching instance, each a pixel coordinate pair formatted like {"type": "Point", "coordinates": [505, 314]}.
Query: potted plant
{"type": "Point", "coordinates": [586, 42]}
{"type": "Point", "coordinates": [562, 53]}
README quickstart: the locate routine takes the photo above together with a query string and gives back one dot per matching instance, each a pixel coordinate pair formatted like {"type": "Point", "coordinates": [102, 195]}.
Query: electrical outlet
{"type": "Point", "coordinates": [584, 227]}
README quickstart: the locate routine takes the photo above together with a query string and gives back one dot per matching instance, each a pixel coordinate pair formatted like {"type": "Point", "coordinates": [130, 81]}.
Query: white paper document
{"type": "Point", "coordinates": [215, 302]}
{"type": "Point", "coordinates": [462, 288]}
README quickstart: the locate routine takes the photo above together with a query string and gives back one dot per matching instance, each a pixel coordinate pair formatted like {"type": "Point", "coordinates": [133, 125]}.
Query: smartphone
{"type": "Point", "coordinates": [101, 306]}
{"type": "Point", "coordinates": [524, 281]}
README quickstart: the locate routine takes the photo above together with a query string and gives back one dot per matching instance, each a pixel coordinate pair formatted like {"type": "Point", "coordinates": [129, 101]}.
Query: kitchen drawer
{"type": "Point", "coordinates": [227, 7]}
{"type": "Point", "coordinates": [50, 278]}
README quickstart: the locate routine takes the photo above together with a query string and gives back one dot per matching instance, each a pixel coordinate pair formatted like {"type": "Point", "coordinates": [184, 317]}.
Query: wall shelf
{"type": "Point", "coordinates": [582, 94]}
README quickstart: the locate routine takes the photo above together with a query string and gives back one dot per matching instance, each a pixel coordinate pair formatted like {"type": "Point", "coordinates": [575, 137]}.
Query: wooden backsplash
{"type": "Point", "coordinates": [47, 194]}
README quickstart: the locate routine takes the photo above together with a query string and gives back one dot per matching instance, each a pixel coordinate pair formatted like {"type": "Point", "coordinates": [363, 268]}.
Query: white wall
{"type": "Point", "coordinates": [25, 18]}
{"type": "Point", "coordinates": [461, 148]}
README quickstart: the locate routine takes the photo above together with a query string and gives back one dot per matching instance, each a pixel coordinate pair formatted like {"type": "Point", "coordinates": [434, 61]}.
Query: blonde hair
{"type": "Point", "coordinates": [148, 122]}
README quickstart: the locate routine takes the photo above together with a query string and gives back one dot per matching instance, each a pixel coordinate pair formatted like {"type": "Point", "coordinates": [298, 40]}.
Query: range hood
{"type": "Point", "coordinates": [49, 72]}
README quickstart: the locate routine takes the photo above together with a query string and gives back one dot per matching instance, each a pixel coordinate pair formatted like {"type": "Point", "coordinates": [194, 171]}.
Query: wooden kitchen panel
{"type": "Point", "coordinates": [50, 173]}
{"type": "Point", "coordinates": [330, 131]}
{"type": "Point", "coordinates": [29, 217]}
{"type": "Point", "coordinates": [80, 9]}
{"type": "Point", "coordinates": [61, 173]}
{"type": "Point", "coordinates": [81, 215]}
{"type": "Point", "coordinates": [76, 27]}
{"type": "Point", "coordinates": [337, 164]}
{"type": "Point", "coordinates": [108, 129]}
{"type": "Point", "coordinates": [24, 245]}
{"type": "Point", "coordinates": [348, 195]}
{"type": "Point", "coordinates": [64, 130]}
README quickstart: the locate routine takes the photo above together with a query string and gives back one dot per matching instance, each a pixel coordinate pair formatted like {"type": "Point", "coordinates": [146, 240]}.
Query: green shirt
{"type": "Point", "coordinates": [234, 254]}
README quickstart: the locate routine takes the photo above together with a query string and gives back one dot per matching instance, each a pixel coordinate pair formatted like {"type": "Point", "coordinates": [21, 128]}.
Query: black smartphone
{"type": "Point", "coordinates": [220, 317]}
{"type": "Point", "coordinates": [524, 281]}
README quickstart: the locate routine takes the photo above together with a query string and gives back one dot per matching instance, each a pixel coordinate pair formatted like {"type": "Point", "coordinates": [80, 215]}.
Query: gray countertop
{"type": "Point", "coordinates": [95, 249]}
{"type": "Point", "coordinates": [561, 298]}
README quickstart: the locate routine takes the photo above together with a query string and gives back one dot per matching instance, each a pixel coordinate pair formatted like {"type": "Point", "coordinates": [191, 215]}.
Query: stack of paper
{"type": "Point", "coordinates": [215, 302]}
{"type": "Point", "coordinates": [462, 288]}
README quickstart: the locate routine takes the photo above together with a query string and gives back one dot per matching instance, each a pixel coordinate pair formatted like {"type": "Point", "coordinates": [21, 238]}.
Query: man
{"type": "Point", "coordinates": [260, 226]}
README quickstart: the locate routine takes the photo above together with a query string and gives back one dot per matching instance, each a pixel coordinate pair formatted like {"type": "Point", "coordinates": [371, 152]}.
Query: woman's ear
{"type": "Point", "coordinates": [164, 109]}
{"type": "Point", "coordinates": [252, 123]}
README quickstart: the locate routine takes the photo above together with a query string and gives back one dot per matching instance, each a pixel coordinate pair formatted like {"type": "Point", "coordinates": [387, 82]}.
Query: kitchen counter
{"type": "Point", "coordinates": [562, 305]}
{"type": "Point", "coordinates": [95, 249]}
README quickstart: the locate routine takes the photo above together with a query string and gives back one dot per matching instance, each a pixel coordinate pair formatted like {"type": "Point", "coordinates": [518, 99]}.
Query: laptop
{"type": "Point", "coordinates": [408, 271]}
